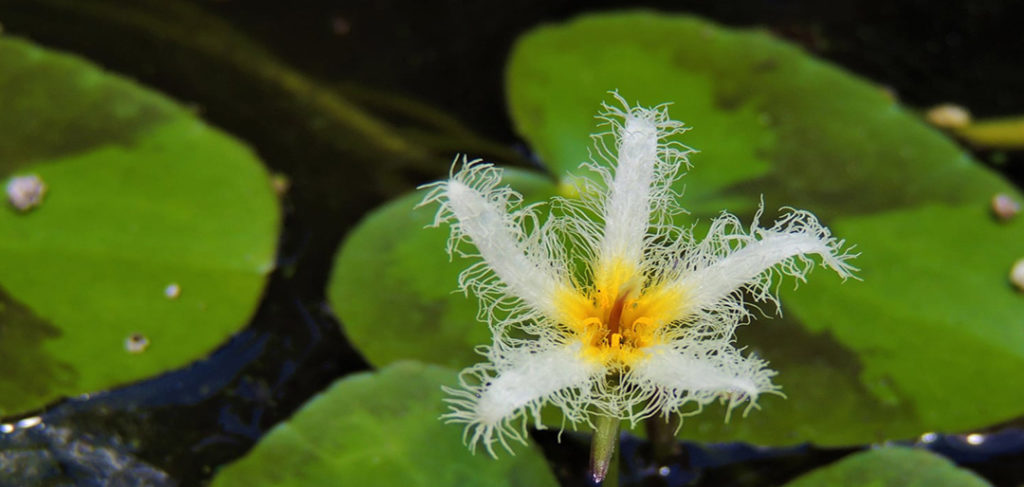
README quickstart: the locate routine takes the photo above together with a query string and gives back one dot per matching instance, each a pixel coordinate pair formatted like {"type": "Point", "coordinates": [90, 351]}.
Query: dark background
{"type": "Point", "coordinates": [452, 53]}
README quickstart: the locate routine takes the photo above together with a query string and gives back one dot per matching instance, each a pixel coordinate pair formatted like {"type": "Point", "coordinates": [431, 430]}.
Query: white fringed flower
{"type": "Point", "coordinates": [605, 308]}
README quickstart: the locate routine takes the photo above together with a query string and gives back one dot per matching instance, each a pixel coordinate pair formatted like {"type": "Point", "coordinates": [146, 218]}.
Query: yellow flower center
{"type": "Point", "coordinates": [617, 319]}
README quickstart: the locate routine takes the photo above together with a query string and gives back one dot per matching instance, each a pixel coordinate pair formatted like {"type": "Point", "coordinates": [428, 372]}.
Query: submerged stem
{"type": "Point", "coordinates": [602, 450]}
{"type": "Point", "coordinates": [662, 435]}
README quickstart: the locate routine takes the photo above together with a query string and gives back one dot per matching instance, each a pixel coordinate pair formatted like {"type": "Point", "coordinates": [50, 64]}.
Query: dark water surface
{"type": "Point", "coordinates": [411, 62]}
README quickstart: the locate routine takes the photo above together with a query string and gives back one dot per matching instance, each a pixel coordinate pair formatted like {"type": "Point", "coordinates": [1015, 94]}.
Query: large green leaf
{"type": "Point", "coordinates": [890, 467]}
{"type": "Point", "coordinates": [379, 429]}
{"type": "Point", "coordinates": [394, 287]}
{"type": "Point", "coordinates": [141, 196]}
{"type": "Point", "coordinates": [933, 335]}
{"type": "Point", "coordinates": [766, 117]}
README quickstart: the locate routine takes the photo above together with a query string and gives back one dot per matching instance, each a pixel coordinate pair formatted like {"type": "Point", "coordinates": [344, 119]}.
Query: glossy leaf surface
{"type": "Point", "coordinates": [142, 199]}
{"type": "Point", "coordinates": [890, 467]}
{"type": "Point", "coordinates": [379, 429]}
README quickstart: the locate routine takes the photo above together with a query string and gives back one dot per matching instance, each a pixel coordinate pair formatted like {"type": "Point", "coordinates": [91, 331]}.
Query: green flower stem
{"type": "Point", "coordinates": [612, 477]}
{"type": "Point", "coordinates": [604, 451]}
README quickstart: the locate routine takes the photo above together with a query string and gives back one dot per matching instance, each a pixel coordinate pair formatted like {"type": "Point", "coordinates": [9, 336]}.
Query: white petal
{"type": "Point", "coordinates": [477, 209]}
{"type": "Point", "coordinates": [646, 164]}
{"type": "Point", "coordinates": [730, 259]}
{"type": "Point", "coordinates": [627, 211]}
{"type": "Point", "coordinates": [701, 372]}
{"type": "Point", "coordinates": [494, 407]}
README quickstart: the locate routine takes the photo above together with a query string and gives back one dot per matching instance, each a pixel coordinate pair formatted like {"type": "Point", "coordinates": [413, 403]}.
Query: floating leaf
{"type": "Point", "coordinates": [930, 337]}
{"type": "Point", "coordinates": [379, 429]}
{"type": "Point", "coordinates": [394, 288]}
{"type": "Point", "coordinates": [142, 199]}
{"type": "Point", "coordinates": [890, 467]}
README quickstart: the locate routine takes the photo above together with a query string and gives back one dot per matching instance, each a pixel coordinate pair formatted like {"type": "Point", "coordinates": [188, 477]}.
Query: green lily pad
{"type": "Point", "coordinates": [154, 225]}
{"type": "Point", "coordinates": [394, 287]}
{"type": "Point", "coordinates": [766, 117]}
{"type": "Point", "coordinates": [928, 339]}
{"type": "Point", "coordinates": [895, 467]}
{"type": "Point", "coordinates": [379, 429]}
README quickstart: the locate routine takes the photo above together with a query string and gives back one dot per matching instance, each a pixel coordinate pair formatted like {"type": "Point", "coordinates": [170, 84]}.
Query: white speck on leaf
{"type": "Point", "coordinates": [1017, 274]}
{"type": "Point", "coordinates": [136, 343]}
{"type": "Point", "coordinates": [26, 192]}
{"type": "Point", "coordinates": [1004, 207]}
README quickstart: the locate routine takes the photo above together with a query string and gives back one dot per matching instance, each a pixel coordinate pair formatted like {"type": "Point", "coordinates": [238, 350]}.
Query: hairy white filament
{"type": "Point", "coordinates": [700, 372]}
{"type": "Point", "coordinates": [645, 165]}
{"type": "Point", "coordinates": [628, 212]}
{"type": "Point", "coordinates": [730, 259]}
{"type": "Point", "coordinates": [478, 210]}
{"type": "Point", "coordinates": [490, 405]}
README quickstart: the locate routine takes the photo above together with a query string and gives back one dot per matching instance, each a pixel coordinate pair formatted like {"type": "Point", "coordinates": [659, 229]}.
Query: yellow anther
{"type": "Point", "coordinates": [591, 321]}
{"type": "Point", "coordinates": [616, 338]}
{"type": "Point", "coordinates": [644, 321]}
{"type": "Point", "coordinates": [641, 332]}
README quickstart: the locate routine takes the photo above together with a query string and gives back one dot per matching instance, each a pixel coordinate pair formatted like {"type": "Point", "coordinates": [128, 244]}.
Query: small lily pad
{"type": "Point", "coordinates": [379, 429]}
{"type": "Point", "coordinates": [890, 467]}
{"type": "Point", "coordinates": [140, 196]}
